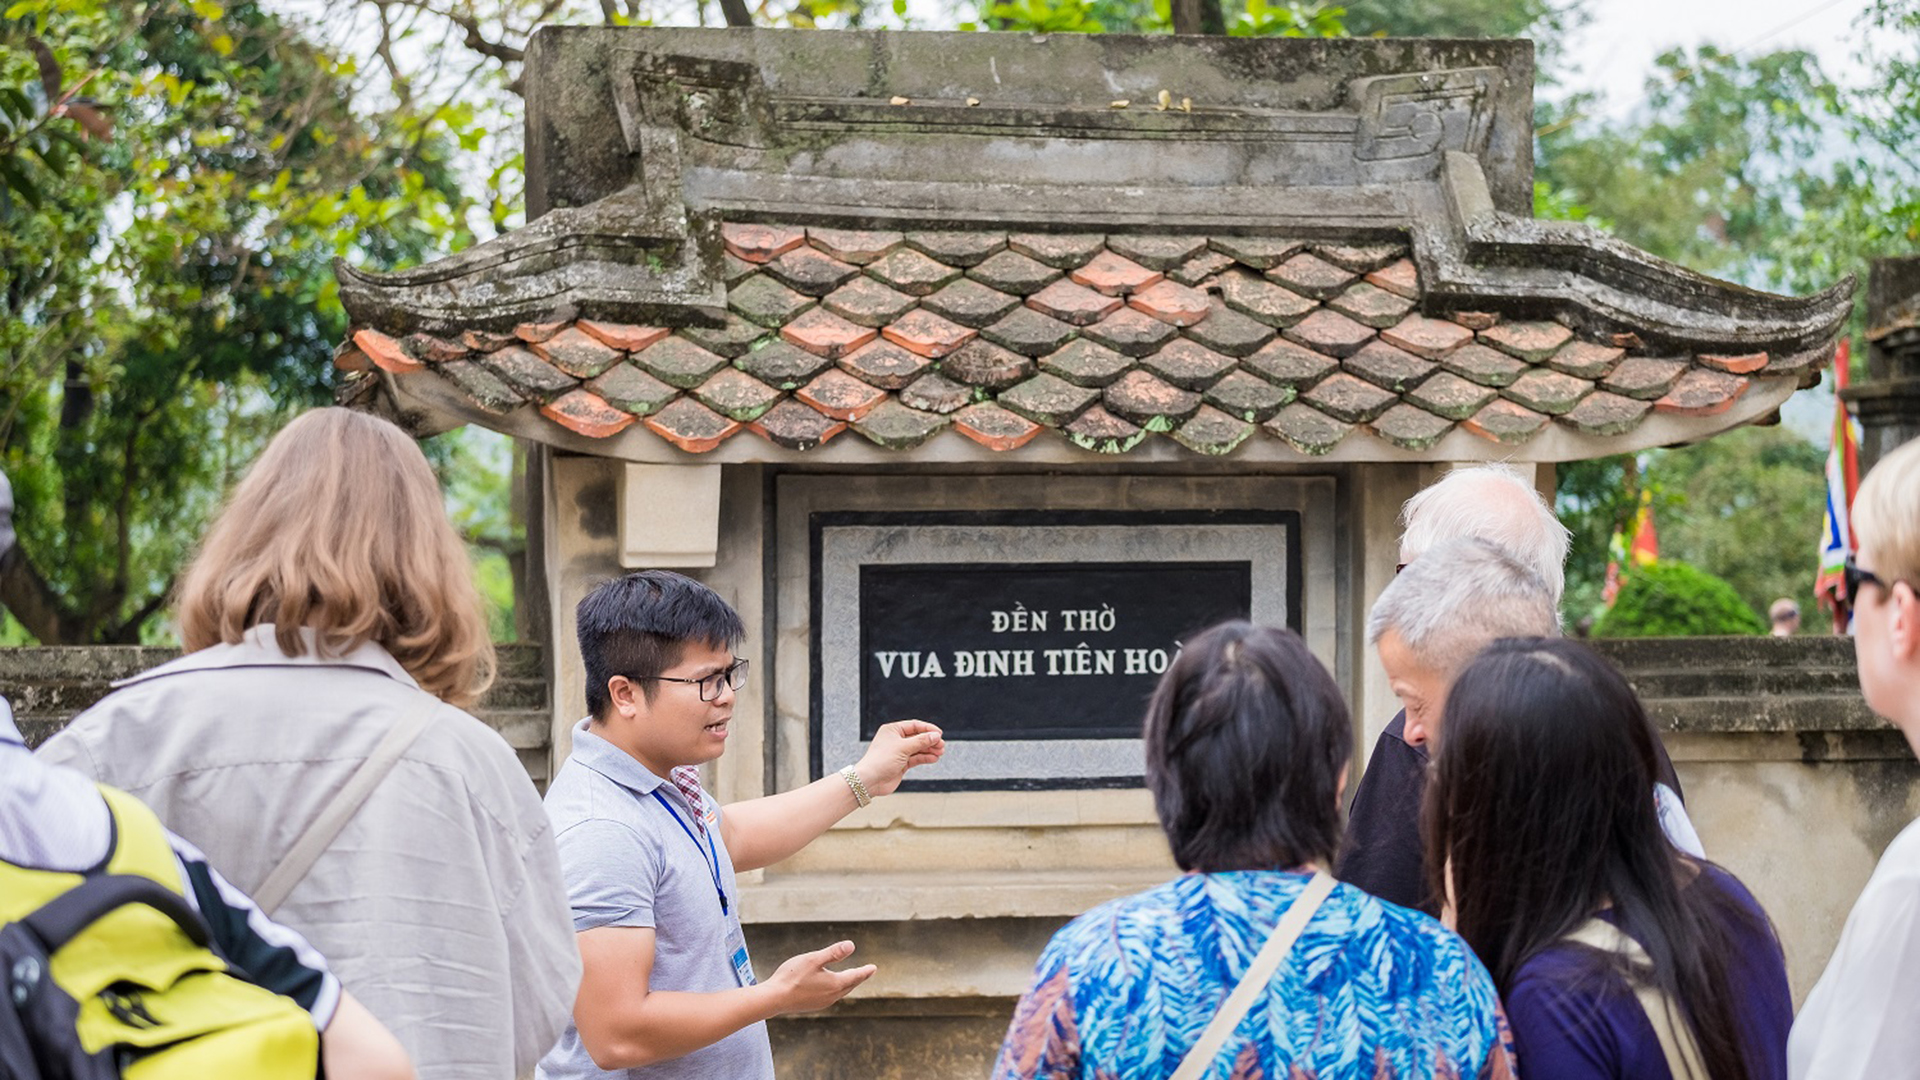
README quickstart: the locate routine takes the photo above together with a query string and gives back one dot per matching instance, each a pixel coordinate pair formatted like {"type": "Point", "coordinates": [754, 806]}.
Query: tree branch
{"type": "Point", "coordinates": [736, 12]}
{"type": "Point", "coordinates": [26, 594]}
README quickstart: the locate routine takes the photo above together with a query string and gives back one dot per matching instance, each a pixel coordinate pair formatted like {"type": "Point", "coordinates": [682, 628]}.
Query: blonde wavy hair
{"type": "Point", "coordinates": [339, 528]}
{"type": "Point", "coordinates": [1886, 513]}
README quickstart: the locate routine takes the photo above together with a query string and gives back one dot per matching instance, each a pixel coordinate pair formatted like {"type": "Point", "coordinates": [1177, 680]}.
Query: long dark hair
{"type": "Point", "coordinates": [1246, 741]}
{"type": "Point", "coordinates": [1542, 804]}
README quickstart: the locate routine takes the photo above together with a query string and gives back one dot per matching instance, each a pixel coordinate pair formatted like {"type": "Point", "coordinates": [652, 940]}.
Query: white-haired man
{"type": "Point", "coordinates": [1426, 625]}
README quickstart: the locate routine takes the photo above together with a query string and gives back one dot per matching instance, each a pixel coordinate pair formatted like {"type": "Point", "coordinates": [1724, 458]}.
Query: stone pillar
{"type": "Point", "coordinates": [1887, 401]}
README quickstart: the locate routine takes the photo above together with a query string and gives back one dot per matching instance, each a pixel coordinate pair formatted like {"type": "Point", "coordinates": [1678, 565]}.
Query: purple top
{"type": "Point", "coordinates": [1574, 1019]}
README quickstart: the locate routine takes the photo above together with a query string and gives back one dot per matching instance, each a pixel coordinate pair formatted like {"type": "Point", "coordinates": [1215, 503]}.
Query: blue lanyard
{"type": "Point", "coordinates": [712, 856]}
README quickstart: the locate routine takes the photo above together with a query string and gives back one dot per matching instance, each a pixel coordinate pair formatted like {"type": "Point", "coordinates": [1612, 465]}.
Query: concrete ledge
{"type": "Point", "coordinates": [937, 894]}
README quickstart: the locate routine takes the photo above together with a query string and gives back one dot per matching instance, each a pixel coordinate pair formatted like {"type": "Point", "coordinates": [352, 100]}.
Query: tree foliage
{"type": "Point", "coordinates": [1673, 599]}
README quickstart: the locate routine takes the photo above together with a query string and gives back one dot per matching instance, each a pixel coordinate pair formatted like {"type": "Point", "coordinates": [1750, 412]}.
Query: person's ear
{"type": "Point", "coordinates": [1903, 623]}
{"type": "Point", "coordinates": [624, 697]}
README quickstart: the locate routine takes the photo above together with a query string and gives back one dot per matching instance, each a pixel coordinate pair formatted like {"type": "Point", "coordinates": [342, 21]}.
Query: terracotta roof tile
{"type": "Point", "coordinates": [898, 427]}
{"type": "Point", "coordinates": [1086, 363]}
{"type": "Point", "coordinates": [1310, 275]}
{"type": "Point", "coordinates": [623, 336]}
{"type": "Point", "coordinates": [585, 413]}
{"type": "Point", "coordinates": [760, 243]}
{"type": "Point", "coordinates": [1644, 377]}
{"type": "Point", "coordinates": [1329, 332]}
{"type": "Point", "coordinates": [1073, 303]}
{"type": "Point", "coordinates": [1188, 364]}
{"type": "Point", "coordinates": [1372, 305]}
{"type": "Point", "coordinates": [691, 426]}
{"type": "Point", "coordinates": [958, 248]}
{"type": "Point", "coordinates": [1431, 338]}
{"type": "Point", "coordinates": [761, 299]}
{"type": "Point", "coordinates": [1146, 399]}
{"type": "Point", "coordinates": [934, 392]}
{"type": "Point", "coordinates": [730, 341]}
{"type": "Point", "coordinates": [839, 395]}
{"type": "Point", "coordinates": [1259, 252]}
{"type": "Point", "coordinates": [782, 366]}
{"type": "Point", "coordinates": [1550, 392]}
{"type": "Point", "coordinates": [994, 427]}
{"type": "Point", "coordinates": [679, 362]}
{"type": "Point", "coordinates": [487, 390]}
{"type": "Point", "coordinates": [482, 341]}
{"type": "Point", "coordinates": [1410, 428]}
{"type": "Point", "coordinates": [1115, 275]}
{"type": "Point", "coordinates": [529, 374]}
{"type": "Point", "coordinates": [1486, 366]}
{"type": "Point", "coordinates": [1360, 258]}
{"type": "Point", "coordinates": [1308, 430]}
{"type": "Point", "coordinates": [1530, 341]}
{"type": "Point", "coordinates": [1605, 414]}
{"type": "Point", "coordinates": [626, 386]}
{"type": "Point", "coordinates": [1475, 320]}
{"type": "Point", "coordinates": [1212, 432]}
{"type": "Point", "coordinates": [1172, 303]}
{"type": "Point", "coordinates": [1047, 399]}
{"type": "Point", "coordinates": [1062, 251]}
{"type": "Point", "coordinates": [1286, 364]}
{"type": "Point", "coordinates": [1226, 330]}
{"type": "Point", "coordinates": [1161, 253]}
{"type": "Point", "coordinates": [1800, 363]}
{"type": "Point", "coordinates": [1131, 332]}
{"type": "Point", "coordinates": [386, 353]}
{"type": "Point", "coordinates": [868, 302]}
{"type": "Point", "coordinates": [1628, 341]}
{"type": "Point", "coordinates": [1400, 278]}
{"type": "Point", "coordinates": [1745, 364]}
{"type": "Point", "coordinates": [1248, 396]}
{"type": "Point", "coordinates": [970, 303]}
{"type": "Point", "coordinates": [1345, 397]}
{"type": "Point", "coordinates": [1012, 272]}
{"type": "Point", "coordinates": [1585, 360]}
{"type": "Point", "coordinates": [913, 273]}
{"type": "Point", "coordinates": [577, 353]}
{"type": "Point", "coordinates": [1029, 333]}
{"type": "Point", "coordinates": [433, 350]}
{"type": "Point", "coordinates": [1197, 270]}
{"type": "Point", "coordinates": [1702, 392]}
{"type": "Point", "coordinates": [811, 271]}
{"type": "Point", "coordinates": [928, 334]}
{"type": "Point", "coordinates": [348, 358]}
{"type": "Point", "coordinates": [734, 269]}
{"type": "Point", "coordinates": [983, 363]}
{"type": "Point", "coordinates": [854, 245]}
{"type": "Point", "coordinates": [797, 427]}
{"type": "Point", "coordinates": [1104, 433]}
{"type": "Point", "coordinates": [1388, 367]}
{"type": "Point", "coordinates": [1506, 422]}
{"type": "Point", "coordinates": [736, 395]}
{"type": "Point", "coordinates": [821, 331]}
{"type": "Point", "coordinates": [1262, 300]}
{"type": "Point", "coordinates": [1451, 396]}
{"type": "Point", "coordinates": [885, 365]}
{"type": "Point", "coordinates": [534, 333]}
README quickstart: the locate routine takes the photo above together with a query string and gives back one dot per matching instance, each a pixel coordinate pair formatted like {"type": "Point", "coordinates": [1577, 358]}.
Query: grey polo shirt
{"type": "Point", "coordinates": [628, 862]}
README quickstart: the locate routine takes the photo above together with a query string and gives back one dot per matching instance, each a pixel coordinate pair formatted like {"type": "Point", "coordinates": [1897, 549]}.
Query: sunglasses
{"type": "Point", "coordinates": [1855, 575]}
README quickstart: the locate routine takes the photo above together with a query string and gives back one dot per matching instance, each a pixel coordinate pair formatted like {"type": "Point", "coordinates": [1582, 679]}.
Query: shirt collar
{"type": "Point", "coordinates": [596, 753]}
{"type": "Point", "coordinates": [258, 648]}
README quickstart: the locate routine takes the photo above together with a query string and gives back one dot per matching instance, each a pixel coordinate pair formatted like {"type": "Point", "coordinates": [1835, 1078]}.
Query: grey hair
{"type": "Point", "coordinates": [1495, 503]}
{"type": "Point", "coordinates": [1459, 598]}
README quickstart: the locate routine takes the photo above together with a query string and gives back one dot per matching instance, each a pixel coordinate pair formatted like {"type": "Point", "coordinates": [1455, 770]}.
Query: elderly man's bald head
{"type": "Point", "coordinates": [1496, 503]}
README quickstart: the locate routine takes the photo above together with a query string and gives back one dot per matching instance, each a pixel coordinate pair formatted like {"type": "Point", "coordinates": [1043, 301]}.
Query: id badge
{"type": "Point", "coordinates": [737, 950]}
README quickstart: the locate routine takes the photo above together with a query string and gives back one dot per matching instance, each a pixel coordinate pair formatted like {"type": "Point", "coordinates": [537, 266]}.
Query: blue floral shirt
{"type": "Point", "coordinates": [1369, 991]}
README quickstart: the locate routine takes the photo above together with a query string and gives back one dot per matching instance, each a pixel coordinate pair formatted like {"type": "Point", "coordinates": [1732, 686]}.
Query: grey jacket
{"type": "Point", "coordinates": [440, 906]}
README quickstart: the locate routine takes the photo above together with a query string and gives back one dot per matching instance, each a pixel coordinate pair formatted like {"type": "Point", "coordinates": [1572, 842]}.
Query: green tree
{"type": "Point", "coordinates": [1672, 599]}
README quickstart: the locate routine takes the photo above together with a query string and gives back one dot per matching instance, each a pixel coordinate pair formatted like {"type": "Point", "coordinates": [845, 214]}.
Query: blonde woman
{"type": "Point", "coordinates": [331, 604]}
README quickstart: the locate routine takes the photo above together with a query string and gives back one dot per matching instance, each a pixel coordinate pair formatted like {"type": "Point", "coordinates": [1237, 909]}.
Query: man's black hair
{"type": "Point", "coordinates": [641, 624]}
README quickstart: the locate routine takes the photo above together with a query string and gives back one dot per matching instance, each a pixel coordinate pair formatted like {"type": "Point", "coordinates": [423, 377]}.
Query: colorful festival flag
{"type": "Point", "coordinates": [1645, 550]}
{"type": "Point", "coordinates": [1843, 479]}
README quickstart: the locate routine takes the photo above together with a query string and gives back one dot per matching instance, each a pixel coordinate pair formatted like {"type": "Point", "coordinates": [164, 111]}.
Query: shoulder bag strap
{"type": "Point", "coordinates": [1259, 974]}
{"type": "Point", "coordinates": [1676, 1042]}
{"type": "Point", "coordinates": [305, 851]}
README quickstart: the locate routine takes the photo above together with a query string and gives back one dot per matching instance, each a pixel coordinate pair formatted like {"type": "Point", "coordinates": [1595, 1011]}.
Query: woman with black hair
{"type": "Point", "coordinates": [1617, 956]}
{"type": "Point", "coordinates": [1255, 963]}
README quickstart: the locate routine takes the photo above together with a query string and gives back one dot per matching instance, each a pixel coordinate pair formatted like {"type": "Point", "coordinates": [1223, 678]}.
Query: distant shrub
{"type": "Point", "coordinates": [1673, 599]}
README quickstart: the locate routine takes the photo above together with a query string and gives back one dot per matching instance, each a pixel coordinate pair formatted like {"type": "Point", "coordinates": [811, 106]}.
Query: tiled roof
{"type": "Point", "coordinates": [1108, 341]}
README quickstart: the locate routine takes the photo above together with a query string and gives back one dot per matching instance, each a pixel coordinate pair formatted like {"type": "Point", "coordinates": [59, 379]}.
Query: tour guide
{"type": "Point", "coordinates": [668, 990]}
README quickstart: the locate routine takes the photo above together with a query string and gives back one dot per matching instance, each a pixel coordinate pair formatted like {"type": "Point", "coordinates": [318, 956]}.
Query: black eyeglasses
{"type": "Point", "coordinates": [1855, 576]}
{"type": "Point", "coordinates": [733, 677]}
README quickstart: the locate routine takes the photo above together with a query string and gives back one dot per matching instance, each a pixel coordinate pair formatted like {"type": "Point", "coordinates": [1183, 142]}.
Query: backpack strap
{"type": "Point", "coordinates": [1676, 1042]}
{"type": "Point", "coordinates": [57, 921]}
{"type": "Point", "coordinates": [319, 835]}
{"type": "Point", "coordinates": [1259, 974]}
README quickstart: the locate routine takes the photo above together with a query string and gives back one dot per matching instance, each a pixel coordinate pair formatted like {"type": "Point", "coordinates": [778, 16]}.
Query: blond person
{"type": "Point", "coordinates": [330, 602]}
{"type": "Point", "coordinates": [1863, 1017]}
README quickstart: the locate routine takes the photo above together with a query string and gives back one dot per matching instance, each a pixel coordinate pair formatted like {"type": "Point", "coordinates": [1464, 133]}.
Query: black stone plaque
{"type": "Point", "coordinates": [1032, 651]}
